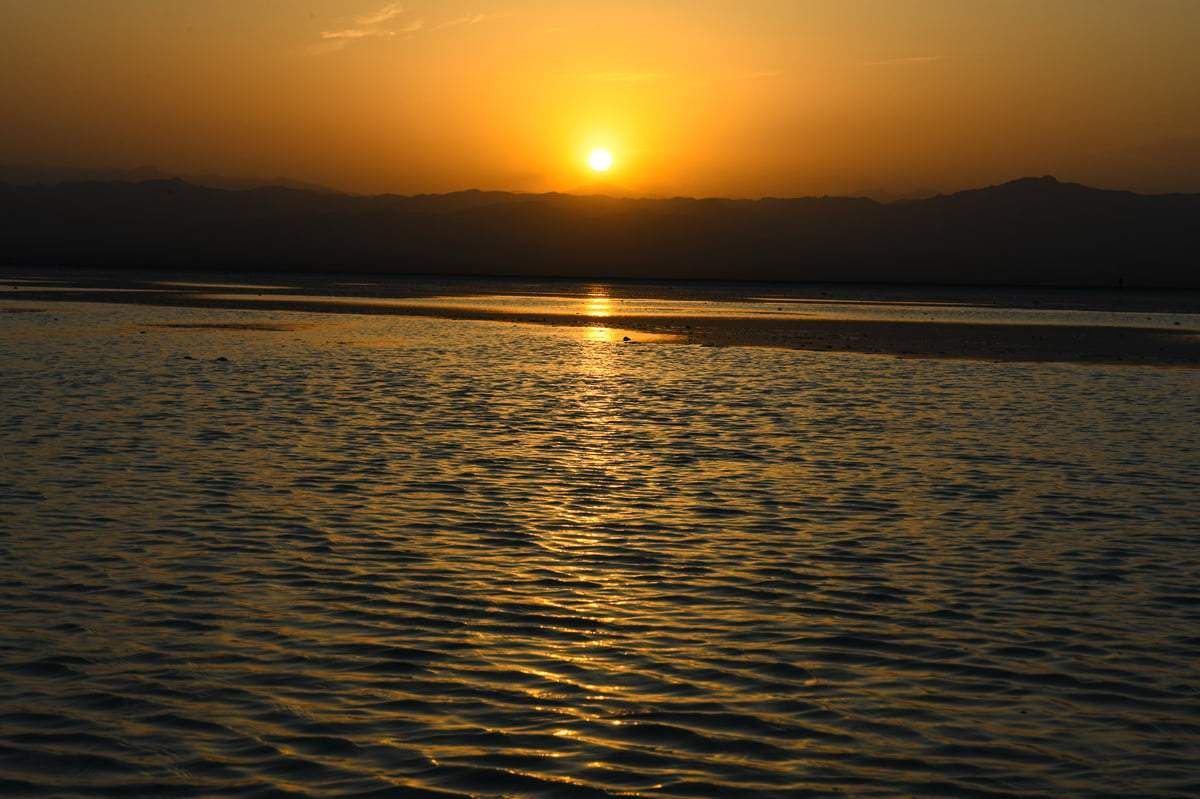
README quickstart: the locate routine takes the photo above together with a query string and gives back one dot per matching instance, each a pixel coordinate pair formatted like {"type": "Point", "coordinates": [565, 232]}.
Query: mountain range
{"type": "Point", "coordinates": [1032, 231]}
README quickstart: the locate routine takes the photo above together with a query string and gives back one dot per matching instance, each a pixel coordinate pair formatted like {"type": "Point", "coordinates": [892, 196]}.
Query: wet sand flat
{"type": "Point", "coordinates": [1177, 345]}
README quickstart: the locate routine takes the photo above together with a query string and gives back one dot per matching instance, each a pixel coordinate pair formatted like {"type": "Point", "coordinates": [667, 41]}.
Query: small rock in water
{"type": "Point", "coordinates": [222, 358]}
{"type": "Point", "coordinates": [626, 338]}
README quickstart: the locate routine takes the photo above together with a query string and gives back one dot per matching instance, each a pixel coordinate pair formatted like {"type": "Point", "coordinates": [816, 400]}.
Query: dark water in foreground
{"type": "Point", "coordinates": [403, 557]}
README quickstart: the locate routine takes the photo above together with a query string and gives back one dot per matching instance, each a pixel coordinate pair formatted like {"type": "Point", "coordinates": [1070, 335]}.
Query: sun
{"type": "Point", "coordinates": [600, 160]}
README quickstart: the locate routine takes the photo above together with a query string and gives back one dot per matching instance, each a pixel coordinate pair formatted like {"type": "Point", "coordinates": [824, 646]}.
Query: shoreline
{"type": "Point", "coordinates": [944, 340]}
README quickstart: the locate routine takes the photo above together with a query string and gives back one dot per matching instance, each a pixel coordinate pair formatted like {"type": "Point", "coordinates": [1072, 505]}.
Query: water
{"type": "Point", "coordinates": [601, 305]}
{"type": "Point", "coordinates": [268, 554]}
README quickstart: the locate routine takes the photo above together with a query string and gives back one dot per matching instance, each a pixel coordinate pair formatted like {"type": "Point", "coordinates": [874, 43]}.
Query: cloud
{"type": "Point", "coordinates": [469, 19]}
{"type": "Point", "coordinates": [367, 26]}
{"type": "Point", "coordinates": [382, 15]}
{"type": "Point", "coordinates": [354, 33]}
{"type": "Point", "coordinates": [894, 62]}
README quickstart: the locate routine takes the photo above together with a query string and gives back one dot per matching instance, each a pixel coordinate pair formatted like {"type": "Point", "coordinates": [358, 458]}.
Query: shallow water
{"type": "Point", "coordinates": [601, 305]}
{"type": "Point", "coordinates": [254, 554]}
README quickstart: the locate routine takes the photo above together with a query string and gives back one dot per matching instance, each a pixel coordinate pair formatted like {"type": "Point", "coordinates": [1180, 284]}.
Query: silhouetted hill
{"type": "Point", "coordinates": [884, 196]}
{"type": "Point", "coordinates": [1034, 231]}
{"type": "Point", "coordinates": [606, 189]}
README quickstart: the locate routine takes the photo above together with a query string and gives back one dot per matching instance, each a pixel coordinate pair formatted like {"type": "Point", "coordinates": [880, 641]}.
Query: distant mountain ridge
{"type": "Point", "coordinates": [607, 189]}
{"type": "Point", "coordinates": [1032, 231]}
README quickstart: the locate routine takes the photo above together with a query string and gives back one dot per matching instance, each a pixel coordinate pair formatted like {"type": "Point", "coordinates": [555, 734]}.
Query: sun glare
{"type": "Point", "coordinates": [600, 160]}
{"type": "Point", "coordinates": [598, 304]}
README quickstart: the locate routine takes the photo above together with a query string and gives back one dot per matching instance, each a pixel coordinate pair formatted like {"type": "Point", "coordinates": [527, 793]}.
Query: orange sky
{"type": "Point", "coordinates": [694, 97]}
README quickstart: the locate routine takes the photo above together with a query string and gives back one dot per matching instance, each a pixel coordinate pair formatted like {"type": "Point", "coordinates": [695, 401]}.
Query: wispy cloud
{"type": "Point", "coordinates": [354, 33]}
{"type": "Point", "coordinates": [895, 62]}
{"type": "Point", "coordinates": [469, 19]}
{"type": "Point", "coordinates": [382, 15]}
{"type": "Point", "coordinates": [629, 76]}
{"type": "Point", "coordinates": [366, 26]}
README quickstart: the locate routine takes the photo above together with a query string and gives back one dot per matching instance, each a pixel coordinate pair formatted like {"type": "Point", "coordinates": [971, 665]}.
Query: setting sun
{"type": "Point", "coordinates": [600, 160]}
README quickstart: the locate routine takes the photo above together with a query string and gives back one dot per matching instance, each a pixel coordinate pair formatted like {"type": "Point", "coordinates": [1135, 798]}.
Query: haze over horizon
{"type": "Point", "coordinates": [704, 98]}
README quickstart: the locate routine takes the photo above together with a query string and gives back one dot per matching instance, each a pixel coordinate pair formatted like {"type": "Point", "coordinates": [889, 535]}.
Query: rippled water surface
{"type": "Point", "coordinates": [266, 554]}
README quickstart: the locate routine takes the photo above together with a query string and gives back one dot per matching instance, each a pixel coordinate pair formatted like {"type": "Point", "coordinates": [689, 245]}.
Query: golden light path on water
{"type": "Point", "coordinates": [597, 303]}
{"type": "Point", "coordinates": [581, 520]}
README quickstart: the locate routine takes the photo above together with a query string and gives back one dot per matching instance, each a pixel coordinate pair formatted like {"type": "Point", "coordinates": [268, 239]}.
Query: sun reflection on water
{"type": "Point", "coordinates": [587, 520]}
{"type": "Point", "coordinates": [594, 333]}
{"type": "Point", "coordinates": [597, 303]}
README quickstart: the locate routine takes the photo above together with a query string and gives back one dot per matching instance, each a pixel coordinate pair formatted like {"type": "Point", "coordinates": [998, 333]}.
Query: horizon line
{"type": "Point", "coordinates": [249, 183]}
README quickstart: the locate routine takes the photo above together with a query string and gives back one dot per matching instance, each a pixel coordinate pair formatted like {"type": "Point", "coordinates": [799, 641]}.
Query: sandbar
{"type": "Point", "coordinates": [997, 342]}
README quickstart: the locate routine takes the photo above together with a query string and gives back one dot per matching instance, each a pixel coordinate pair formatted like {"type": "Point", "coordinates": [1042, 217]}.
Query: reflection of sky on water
{"type": "Point", "coordinates": [598, 305]}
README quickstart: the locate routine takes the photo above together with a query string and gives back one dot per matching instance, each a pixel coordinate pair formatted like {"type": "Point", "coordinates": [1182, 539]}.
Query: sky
{"type": "Point", "coordinates": [734, 98]}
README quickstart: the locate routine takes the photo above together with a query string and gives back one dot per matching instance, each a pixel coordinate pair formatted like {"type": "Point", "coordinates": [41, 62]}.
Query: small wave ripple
{"type": "Point", "coordinates": [402, 557]}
